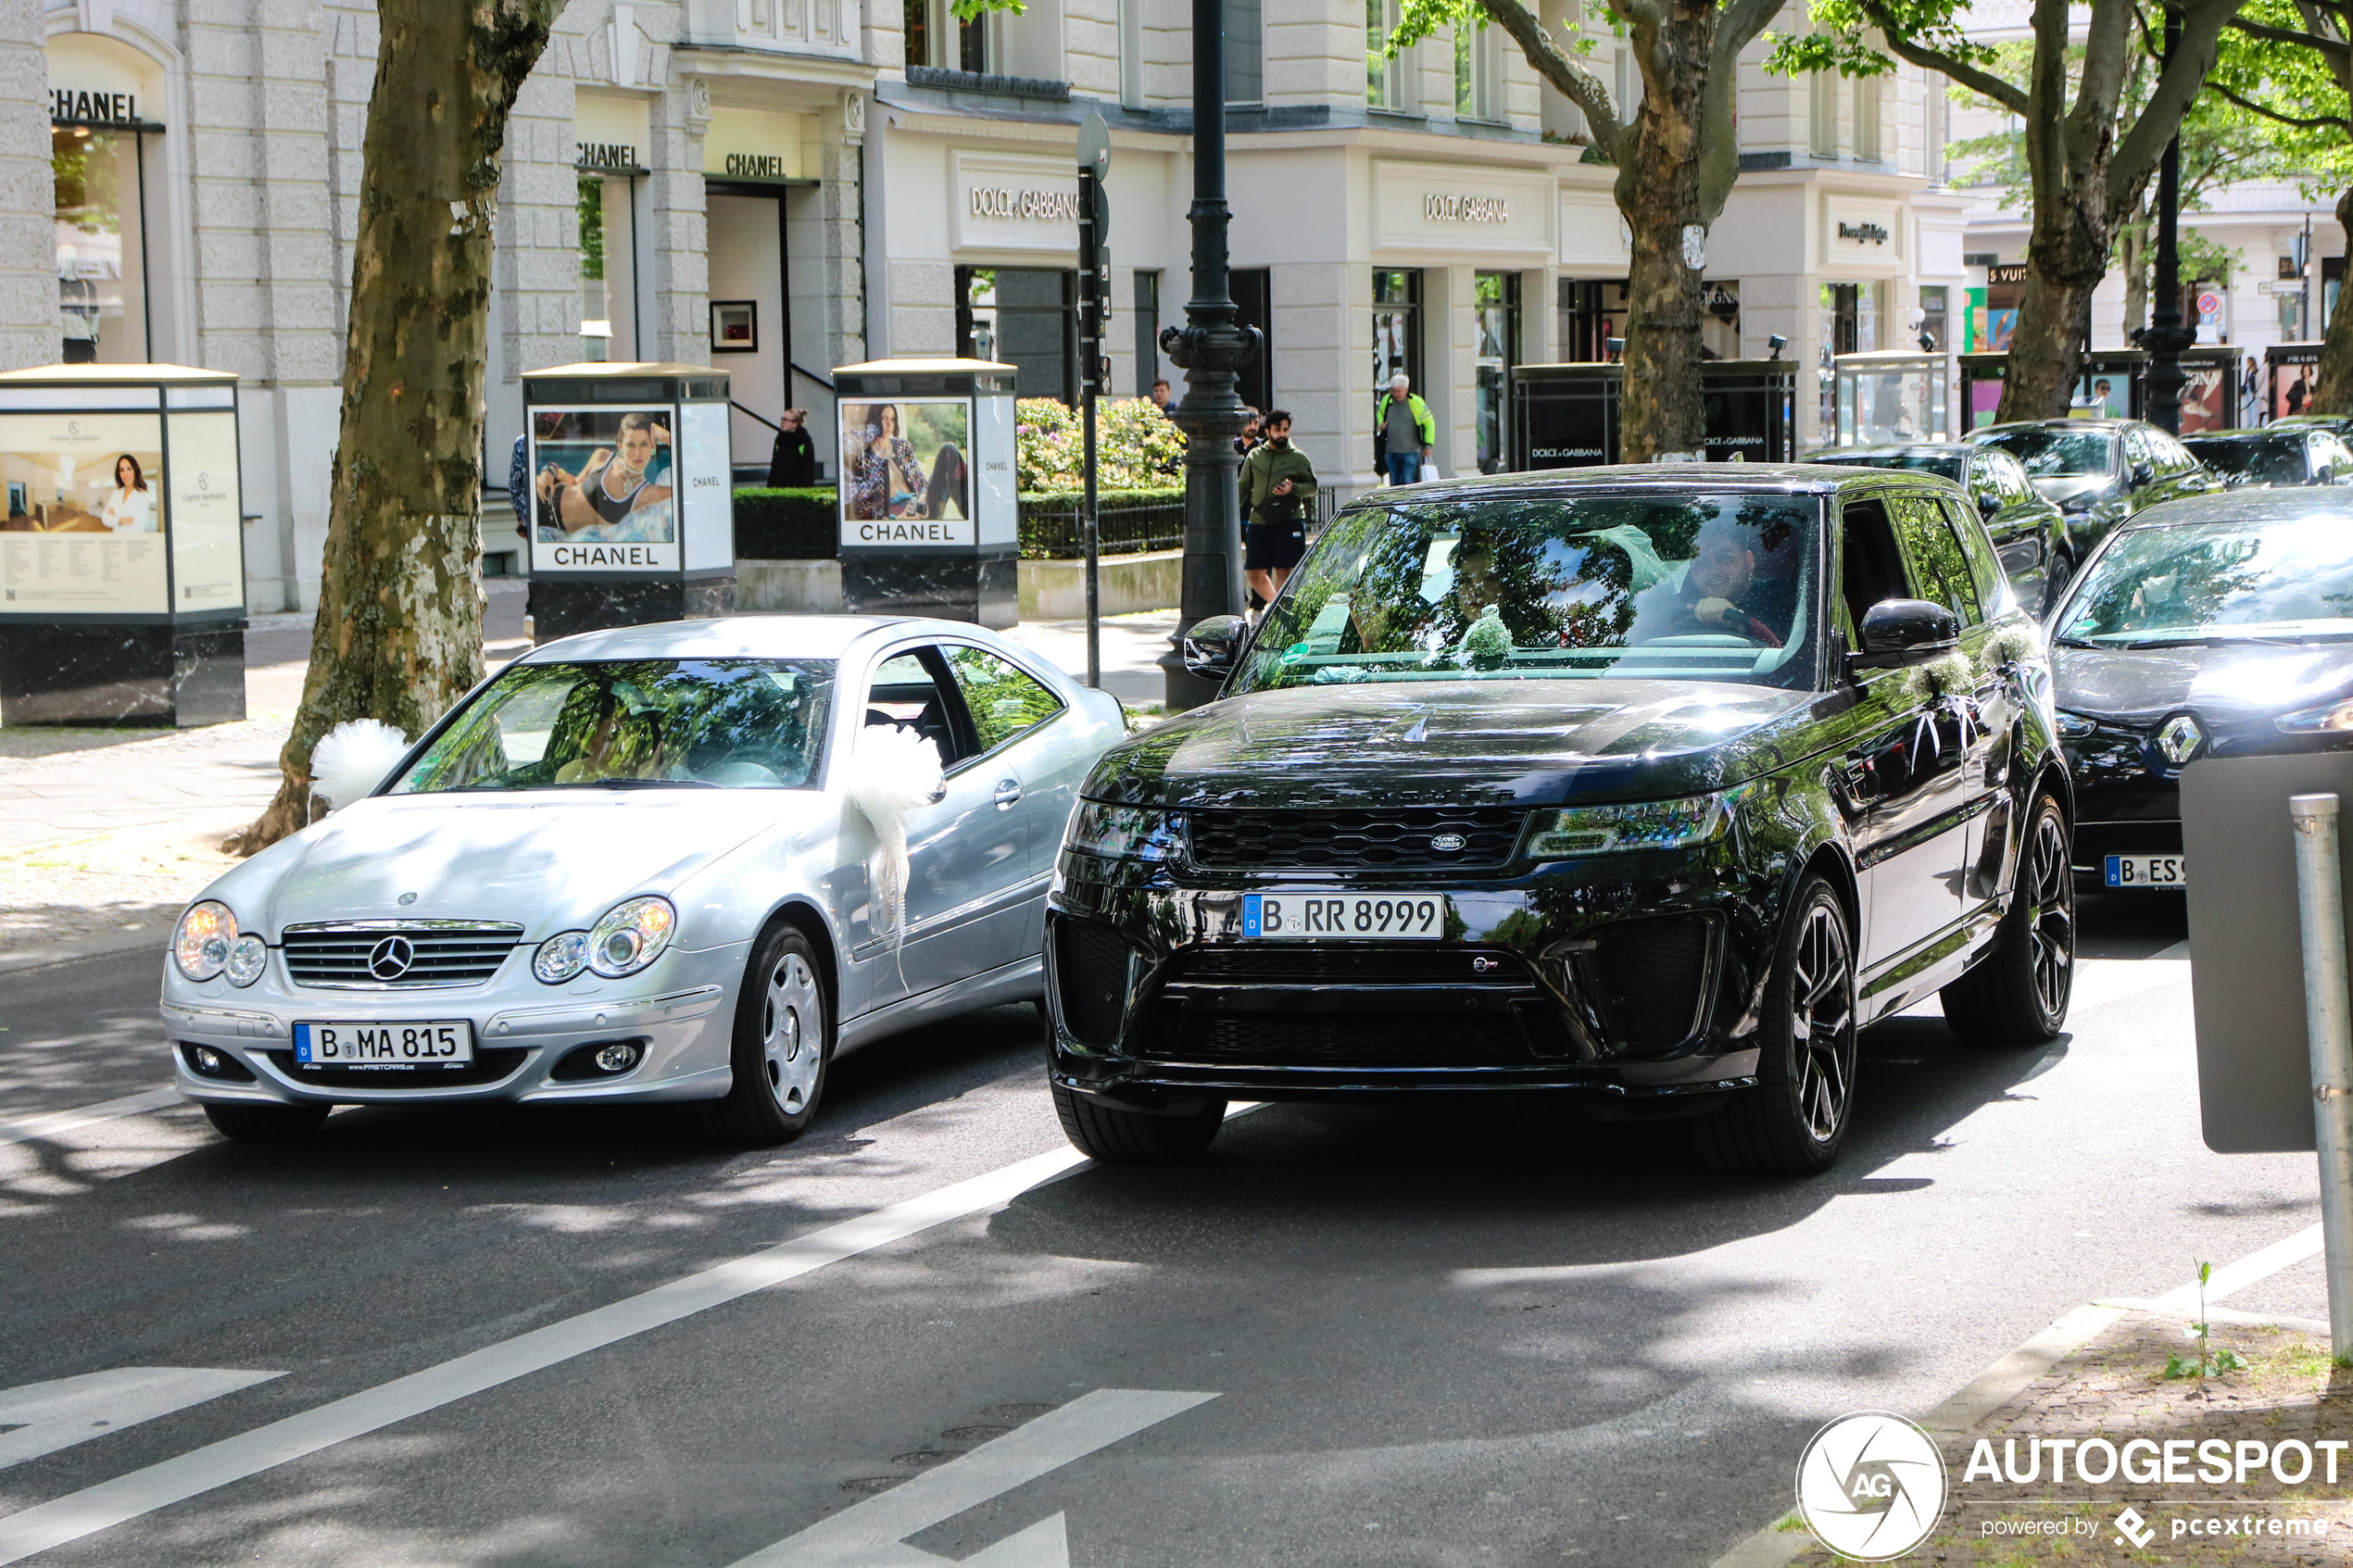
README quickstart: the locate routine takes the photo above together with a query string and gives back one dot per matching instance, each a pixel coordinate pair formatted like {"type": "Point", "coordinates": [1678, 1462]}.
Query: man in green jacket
{"type": "Point", "coordinates": [1277, 483]}
{"type": "Point", "coordinates": [1409, 436]}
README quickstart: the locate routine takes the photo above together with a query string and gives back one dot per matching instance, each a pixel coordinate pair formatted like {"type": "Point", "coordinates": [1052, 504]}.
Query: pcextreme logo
{"type": "Point", "coordinates": [1870, 1486]}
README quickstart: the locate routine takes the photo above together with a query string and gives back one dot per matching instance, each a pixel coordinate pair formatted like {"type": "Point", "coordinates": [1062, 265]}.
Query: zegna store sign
{"type": "Point", "coordinates": [1008, 201]}
{"type": "Point", "coordinates": [1462, 207]}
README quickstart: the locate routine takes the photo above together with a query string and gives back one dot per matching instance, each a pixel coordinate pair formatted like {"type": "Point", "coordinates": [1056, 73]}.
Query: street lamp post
{"type": "Point", "coordinates": [1210, 348]}
{"type": "Point", "coordinates": [2167, 336]}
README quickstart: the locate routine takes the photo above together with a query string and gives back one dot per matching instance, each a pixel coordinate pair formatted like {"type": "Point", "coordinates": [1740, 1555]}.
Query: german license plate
{"type": "Point", "coordinates": [1412, 917]}
{"type": "Point", "coordinates": [439, 1043]}
{"type": "Point", "coordinates": [2147, 870]}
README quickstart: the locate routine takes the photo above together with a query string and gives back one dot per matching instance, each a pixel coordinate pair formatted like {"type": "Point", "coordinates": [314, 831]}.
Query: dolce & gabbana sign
{"type": "Point", "coordinates": [1014, 201]}
{"type": "Point", "coordinates": [1464, 208]}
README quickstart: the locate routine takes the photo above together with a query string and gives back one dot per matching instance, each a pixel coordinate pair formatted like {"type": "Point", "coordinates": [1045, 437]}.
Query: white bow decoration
{"type": "Point", "coordinates": [892, 771]}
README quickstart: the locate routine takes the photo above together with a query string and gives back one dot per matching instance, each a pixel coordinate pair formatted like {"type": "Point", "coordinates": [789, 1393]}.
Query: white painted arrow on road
{"type": "Point", "coordinates": [49, 1416]}
{"type": "Point", "coordinates": [873, 1534]}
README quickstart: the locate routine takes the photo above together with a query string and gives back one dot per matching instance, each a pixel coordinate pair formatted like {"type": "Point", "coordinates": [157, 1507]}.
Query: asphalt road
{"type": "Point", "coordinates": [1472, 1336]}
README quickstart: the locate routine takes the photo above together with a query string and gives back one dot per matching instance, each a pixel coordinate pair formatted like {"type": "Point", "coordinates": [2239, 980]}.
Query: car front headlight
{"type": "Point", "coordinates": [2338, 715]}
{"type": "Point", "coordinates": [560, 957]}
{"type": "Point", "coordinates": [1125, 833]}
{"type": "Point", "coordinates": [1574, 831]}
{"type": "Point", "coordinates": [2074, 726]}
{"type": "Point", "coordinates": [247, 954]}
{"type": "Point", "coordinates": [631, 937]}
{"type": "Point", "coordinates": [203, 940]}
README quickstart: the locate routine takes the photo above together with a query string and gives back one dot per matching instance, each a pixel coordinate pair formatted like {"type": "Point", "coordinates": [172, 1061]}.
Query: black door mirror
{"type": "Point", "coordinates": [1900, 632]}
{"type": "Point", "coordinates": [1213, 645]}
{"type": "Point", "coordinates": [1988, 503]}
{"type": "Point", "coordinates": [2141, 473]}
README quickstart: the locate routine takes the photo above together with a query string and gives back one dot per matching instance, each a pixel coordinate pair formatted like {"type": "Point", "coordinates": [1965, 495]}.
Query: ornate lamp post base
{"type": "Point", "coordinates": [1212, 415]}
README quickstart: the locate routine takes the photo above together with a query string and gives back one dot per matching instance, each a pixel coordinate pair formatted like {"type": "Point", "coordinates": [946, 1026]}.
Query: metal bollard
{"type": "Point", "coordinates": [2329, 1028]}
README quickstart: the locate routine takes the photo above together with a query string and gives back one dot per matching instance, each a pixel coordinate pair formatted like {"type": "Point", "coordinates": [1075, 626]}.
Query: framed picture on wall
{"type": "Point", "coordinates": [735, 326]}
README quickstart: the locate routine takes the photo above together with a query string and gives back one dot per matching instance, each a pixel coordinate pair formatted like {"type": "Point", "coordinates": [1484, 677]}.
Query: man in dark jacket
{"type": "Point", "coordinates": [792, 465]}
{"type": "Point", "coordinates": [1278, 485]}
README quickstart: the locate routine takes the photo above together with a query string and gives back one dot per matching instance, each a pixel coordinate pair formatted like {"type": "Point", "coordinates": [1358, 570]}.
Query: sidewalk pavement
{"type": "Point", "coordinates": [106, 834]}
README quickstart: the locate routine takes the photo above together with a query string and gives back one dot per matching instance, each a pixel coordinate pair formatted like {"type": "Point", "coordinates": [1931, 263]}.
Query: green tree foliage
{"type": "Point", "coordinates": [2088, 152]}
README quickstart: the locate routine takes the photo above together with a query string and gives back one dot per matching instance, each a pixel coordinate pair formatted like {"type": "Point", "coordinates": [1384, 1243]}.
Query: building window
{"type": "Point", "coordinates": [102, 272]}
{"type": "Point", "coordinates": [1478, 73]}
{"type": "Point", "coordinates": [1397, 325]}
{"type": "Point", "coordinates": [1821, 130]}
{"type": "Point", "coordinates": [1866, 118]}
{"type": "Point", "coordinates": [1131, 53]}
{"type": "Point", "coordinates": [1587, 314]}
{"type": "Point", "coordinates": [1498, 302]}
{"type": "Point", "coordinates": [1023, 316]}
{"type": "Point", "coordinates": [1245, 52]}
{"type": "Point", "coordinates": [607, 270]}
{"type": "Point", "coordinates": [973, 51]}
{"type": "Point", "coordinates": [1935, 321]}
{"type": "Point", "coordinates": [917, 22]}
{"type": "Point", "coordinates": [1254, 306]}
{"type": "Point", "coordinates": [1147, 314]}
{"type": "Point", "coordinates": [1385, 80]}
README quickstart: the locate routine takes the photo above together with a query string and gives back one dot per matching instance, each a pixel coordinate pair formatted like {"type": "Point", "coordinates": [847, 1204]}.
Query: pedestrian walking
{"type": "Point", "coordinates": [1277, 483]}
{"type": "Point", "coordinates": [1409, 436]}
{"type": "Point", "coordinates": [1160, 395]}
{"type": "Point", "coordinates": [2251, 396]}
{"type": "Point", "coordinates": [792, 462]}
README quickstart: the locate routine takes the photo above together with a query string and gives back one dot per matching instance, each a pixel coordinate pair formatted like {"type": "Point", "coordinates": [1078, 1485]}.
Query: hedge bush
{"type": "Point", "coordinates": [797, 525]}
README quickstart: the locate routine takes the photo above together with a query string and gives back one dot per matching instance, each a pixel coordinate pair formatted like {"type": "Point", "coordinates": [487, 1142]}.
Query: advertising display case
{"type": "Point", "coordinates": [2289, 370]}
{"type": "Point", "coordinates": [2114, 385]}
{"type": "Point", "coordinates": [1566, 415]}
{"type": "Point", "coordinates": [1892, 394]}
{"type": "Point", "coordinates": [633, 511]}
{"type": "Point", "coordinates": [930, 522]}
{"type": "Point", "coordinates": [122, 575]}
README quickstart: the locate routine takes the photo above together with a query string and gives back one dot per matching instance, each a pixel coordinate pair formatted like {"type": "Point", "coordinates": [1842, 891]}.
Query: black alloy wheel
{"type": "Point", "coordinates": [1795, 1120]}
{"type": "Point", "coordinates": [2017, 993]}
{"type": "Point", "coordinates": [783, 1046]}
{"type": "Point", "coordinates": [2056, 577]}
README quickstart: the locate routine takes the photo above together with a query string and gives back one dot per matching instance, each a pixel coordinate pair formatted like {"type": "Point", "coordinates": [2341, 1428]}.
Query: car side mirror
{"type": "Point", "coordinates": [1896, 632]}
{"type": "Point", "coordinates": [1213, 645]}
{"type": "Point", "coordinates": [2141, 473]}
{"type": "Point", "coordinates": [1988, 503]}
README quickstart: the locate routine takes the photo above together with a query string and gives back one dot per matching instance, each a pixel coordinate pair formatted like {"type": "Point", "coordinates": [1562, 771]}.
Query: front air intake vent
{"type": "Point", "coordinates": [1090, 974]}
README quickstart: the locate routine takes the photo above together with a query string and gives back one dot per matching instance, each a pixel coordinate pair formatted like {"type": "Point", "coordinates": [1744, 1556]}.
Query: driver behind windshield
{"type": "Point", "coordinates": [1720, 594]}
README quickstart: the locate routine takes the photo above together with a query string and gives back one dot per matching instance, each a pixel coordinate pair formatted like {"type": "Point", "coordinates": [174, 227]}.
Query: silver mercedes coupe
{"type": "Point", "coordinates": [683, 862]}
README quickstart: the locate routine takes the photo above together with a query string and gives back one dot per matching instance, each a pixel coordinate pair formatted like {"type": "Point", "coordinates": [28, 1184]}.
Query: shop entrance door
{"type": "Point", "coordinates": [1498, 352]}
{"type": "Point", "coordinates": [1025, 316]}
{"type": "Point", "coordinates": [750, 329]}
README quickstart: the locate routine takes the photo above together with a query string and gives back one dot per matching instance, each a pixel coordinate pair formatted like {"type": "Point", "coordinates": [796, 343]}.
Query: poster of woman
{"type": "Point", "coordinates": [603, 476]}
{"type": "Point", "coordinates": [904, 463]}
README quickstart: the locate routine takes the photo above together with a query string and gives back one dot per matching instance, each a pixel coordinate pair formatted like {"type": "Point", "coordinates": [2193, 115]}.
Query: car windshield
{"type": "Point", "coordinates": [1688, 587]}
{"type": "Point", "coordinates": [2055, 453]}
{"type": "Point", "coordinates": [2258, 459]}
{"type": "Point", "coordinates": [730, 723]}
{"type": "Point", "coordinates": [2285, 580]}
{"type": "Point", "coordinates": [1943, 464]}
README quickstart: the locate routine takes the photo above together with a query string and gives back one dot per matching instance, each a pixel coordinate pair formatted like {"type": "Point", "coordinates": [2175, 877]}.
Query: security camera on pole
{"type": "Point", "coordinates": [1094, 316]}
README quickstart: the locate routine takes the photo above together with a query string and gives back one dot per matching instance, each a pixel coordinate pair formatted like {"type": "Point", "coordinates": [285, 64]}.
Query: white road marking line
{"type": "Point", "coordinates": [2253, 1269]}
{"type": "Point", "coordinates": [49, 1124]}
{"type": "Point", "coordinates": [109, 1503]}
{"type": "Point", "coordinates": [873, 1534]}
{"type": "Point", "coordinates": [58, 1414]}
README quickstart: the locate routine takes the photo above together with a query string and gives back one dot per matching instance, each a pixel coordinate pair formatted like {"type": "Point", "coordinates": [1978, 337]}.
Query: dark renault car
{"type": "Point", "coordinates": [1649, 783]}
{"type": "Point", "coordinates": [2028, 532]}
{"type": "Point", "coordinates": [2281, 457]}
{"type": "Point", "coordinates": [2218, 627]}
{"type": "Point", "coordinates": [2099, 471]}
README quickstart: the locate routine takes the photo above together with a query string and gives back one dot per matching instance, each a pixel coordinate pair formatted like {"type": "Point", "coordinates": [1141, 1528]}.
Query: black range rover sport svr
{"type": "Point", "coordinates": [1649, 783]}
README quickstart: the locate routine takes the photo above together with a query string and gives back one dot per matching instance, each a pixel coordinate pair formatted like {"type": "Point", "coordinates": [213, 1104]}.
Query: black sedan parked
{"type": "Point", "coordinates": [2099, 471]}
{"type": "Point", "coordinates": [2028, 532]}
{"type": "Point", "coordinates": [1650, 783]}
{"type": "Point", "coordinates": [2283, 455]}
{"type": "Point", "coordinates": [2217, 627]}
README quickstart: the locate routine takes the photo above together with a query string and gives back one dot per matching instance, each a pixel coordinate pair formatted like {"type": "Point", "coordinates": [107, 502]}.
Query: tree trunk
{"type": "Point", "coordinates": [2066, 259]}
{"type": "Point", "coordinates": [398, 634]}
{"type": "Point", "coordinates": [2332, 389]}
{"type": "Point", "coordinates": [1658, 189]}
{"type": "Point", "coordinates": [2133, 259]}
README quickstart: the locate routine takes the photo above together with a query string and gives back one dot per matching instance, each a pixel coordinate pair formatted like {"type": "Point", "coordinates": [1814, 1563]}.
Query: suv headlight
{"type": "Point", "coordinates": [631, 937]}
{"type": "Point", "coordinates": [1643, 825]}
{"type": "Point", "coordinates": [2329, 716]}
{"type": "Point", "coordinates": [2074, 726]}
{"type": "Point", "coordinates": [1125, 833]}
{"type": "Point", "coordinates": [205, 937]}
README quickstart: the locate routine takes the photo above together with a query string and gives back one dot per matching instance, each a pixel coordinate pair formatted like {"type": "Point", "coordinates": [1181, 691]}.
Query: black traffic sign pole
{"type": "Point", "coordinates": [1094, 313]}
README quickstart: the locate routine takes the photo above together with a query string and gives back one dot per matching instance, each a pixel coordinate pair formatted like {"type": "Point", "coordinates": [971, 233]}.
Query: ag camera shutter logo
{"type": "Point", "coordinates": [1870, 1486]}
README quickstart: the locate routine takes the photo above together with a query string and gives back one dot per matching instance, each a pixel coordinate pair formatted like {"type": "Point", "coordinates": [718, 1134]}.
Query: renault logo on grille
{"type": "Point", "coordinates": [1447, 842]}
{"type": "Point", "coordinates": [390, 958]}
